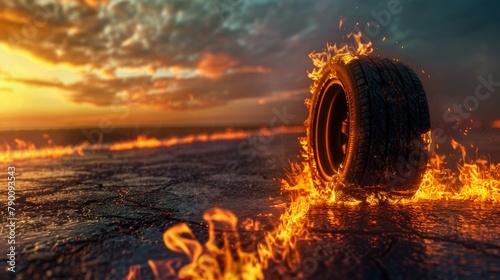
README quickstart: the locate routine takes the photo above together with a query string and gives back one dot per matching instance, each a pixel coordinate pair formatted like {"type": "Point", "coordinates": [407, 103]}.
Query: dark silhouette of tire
{"type": "Point", "coordinates": [369, 126]}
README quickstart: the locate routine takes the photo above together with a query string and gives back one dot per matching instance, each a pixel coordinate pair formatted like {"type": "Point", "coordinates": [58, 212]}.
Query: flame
{"type": "Point", "coordinates": [479, 182]}
{"type": "Point", "coordinates": [143, 142]}
{"type": "Point", "coordinates": [140, 143]}
{"type": "Point", "coordinates": [26, 150]}
{"type": "Point", "coordinates": [346, 52]}
{"type": "Point", "coordinates": [211, 260]}
{"type": "Point", "coordinates": [476, 180]}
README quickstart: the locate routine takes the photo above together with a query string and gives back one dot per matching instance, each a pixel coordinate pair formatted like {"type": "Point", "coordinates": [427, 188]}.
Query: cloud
{"type": "Point", "coordinates": [37, 82]}
{"type": "Point", "coordinates": [170, 93]}
{"type": "Point", "coordinates": [214, 66]}
{"type": "Point", "coordinates": [184, 35]}
{"type": "Point", "coordinates": [165, 93]}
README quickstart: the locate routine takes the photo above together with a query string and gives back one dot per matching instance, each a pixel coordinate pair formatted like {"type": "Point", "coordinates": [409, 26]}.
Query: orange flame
{"type": "Point", "coordinates": [143, 142]}
{"type": "Point", "coordinates": [26, 150]}
{"type": "Point", "coordinates": [209, 261]}
{"type": "Point", "coordinates": [347, 51]}
{"type": "Point", "coordinates": [477, 180]}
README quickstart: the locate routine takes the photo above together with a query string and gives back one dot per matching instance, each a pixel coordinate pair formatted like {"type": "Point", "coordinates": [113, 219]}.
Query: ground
{"type": "Point", "coordinates": [93, 217]}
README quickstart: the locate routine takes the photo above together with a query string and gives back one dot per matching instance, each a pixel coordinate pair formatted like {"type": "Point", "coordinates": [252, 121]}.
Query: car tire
{"type": "Point", "coordinates": [369, 126]}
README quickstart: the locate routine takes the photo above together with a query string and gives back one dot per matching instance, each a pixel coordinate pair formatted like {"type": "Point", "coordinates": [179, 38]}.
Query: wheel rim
{"type": "Point", "coordinates": [331, 131]}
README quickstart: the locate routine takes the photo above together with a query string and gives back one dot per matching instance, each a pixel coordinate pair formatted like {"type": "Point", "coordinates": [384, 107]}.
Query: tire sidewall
{"type": "Point", "coordinates": [335, 73]}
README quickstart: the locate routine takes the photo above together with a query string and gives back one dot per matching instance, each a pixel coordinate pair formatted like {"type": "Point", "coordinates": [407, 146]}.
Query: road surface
{"type": "Point", "coordinates": [93, 217]}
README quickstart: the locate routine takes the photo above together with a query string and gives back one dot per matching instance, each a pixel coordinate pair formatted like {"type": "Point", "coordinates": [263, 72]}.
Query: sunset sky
{"type": "Point", "coordinates": [70, 63]}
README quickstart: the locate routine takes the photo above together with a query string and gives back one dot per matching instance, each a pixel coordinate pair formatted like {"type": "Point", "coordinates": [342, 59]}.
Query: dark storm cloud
{"type": "Point", "coordinates": [263, 44]}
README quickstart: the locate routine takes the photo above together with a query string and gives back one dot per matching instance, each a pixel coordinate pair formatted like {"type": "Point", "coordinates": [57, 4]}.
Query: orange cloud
{"type": "Point", "coordinates": [252, 69]}
{"type": "Point", "coordinates": [13, 16]}
{"type": "Point", "coordinates": [495, 124]}
{"type": "Point", "coordinates": [95, 3]}
{"type": "Point", "coordinates": [214, 66]}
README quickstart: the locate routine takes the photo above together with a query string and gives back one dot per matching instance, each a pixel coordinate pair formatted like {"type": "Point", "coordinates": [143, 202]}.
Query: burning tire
{"type": "Point", "coordinates": [368, 126]}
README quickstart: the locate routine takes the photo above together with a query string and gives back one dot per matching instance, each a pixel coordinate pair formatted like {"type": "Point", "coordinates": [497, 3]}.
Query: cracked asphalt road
{"type": "Point", "coordinates": [95, 216]}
